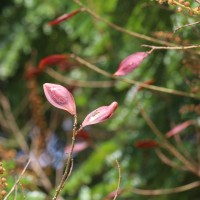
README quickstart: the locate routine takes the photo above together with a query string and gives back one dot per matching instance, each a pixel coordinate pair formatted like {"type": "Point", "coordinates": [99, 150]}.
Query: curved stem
{"type": "Point", "coordinates": [19, 178]}
{"type": "Point", "coordinates": [78, 83]}
{"type": "Point", "coordinates": [167, 160]}
{"type": "Point", "coordinates": [189, 165]}
{"type": "Point", "coordinates": [69, 161]}
{"type": "Point", "coordinates": [120, 29]}
{"type": "Point", "coordinates": [119, 180]}
{"type": "Point", "coordinates": [167, 191]}
{"type": "Point", "coordinates": [171, 48]}
{"type": "Point", "coordinates": [150, 87]}
{"type": "Point", "coordinates": [186, 25]}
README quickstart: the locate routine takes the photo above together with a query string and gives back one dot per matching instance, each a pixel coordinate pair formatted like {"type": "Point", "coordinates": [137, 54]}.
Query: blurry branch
{"type": "Point", "coordinates": [119, 180]}
{"type": "Point", "coordinates": [11, 123]}
{"type": "Point", "coordinates": [22, 107]}
{"type": "Point", "coordinates": [186, 25]}
{"type": "Point", "coordinates": [78, 83]}
{"type": "Point", "coordinates": [3, 121]}
{"type": "Point", "coordinates": [131, 33]}
{"type": "Point", "coordinates": [19, 178]}
{"type": "Point", "coordinates": [188, 164]}
{"type": "Point", "coordinates": [170, 48]}
{"type": "Point", "coordinates": [183, 149]}
{"type": "Point", "coordinates": [167, 160]}
{"type": "Point", "coordinates": [120, 29]}
{"type": "Point", "coordinates": [16, 191]}
{"type": "Point", "coordinates": [91, 66]}
{"type": "Point", "coordinates": [150, 87]}
{"type": "Point", "coordinates": [167, 191]}
{"type": "Point", "coordinates": [40, 173]}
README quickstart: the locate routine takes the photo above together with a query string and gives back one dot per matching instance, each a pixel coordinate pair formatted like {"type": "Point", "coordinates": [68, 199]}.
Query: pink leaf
{"type": "Point", "coordinates": [99, 115]}
{"type": "Point", "coordinates": [55, 59]}
{"type": "Point", "coordinates": [78, 147]}
{"type": "Point", "coordinates": [130, 63]}
{"type": "Point", "coordinates": [64, 17]}
{"type": "Point", "coordinates": [60, 97]}
{"type": "Point", "coordinates": [177, 129]}
{"type": "Point", "coordinates": [146, 144]}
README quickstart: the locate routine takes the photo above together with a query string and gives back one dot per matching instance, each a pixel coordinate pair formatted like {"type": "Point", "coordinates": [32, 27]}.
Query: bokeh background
{"type": "Point", "coordinates": [29, 124]}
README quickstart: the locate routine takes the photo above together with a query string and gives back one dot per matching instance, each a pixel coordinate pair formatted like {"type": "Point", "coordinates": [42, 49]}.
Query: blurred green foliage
{"type": "Point", "coordinates": [25, 35]}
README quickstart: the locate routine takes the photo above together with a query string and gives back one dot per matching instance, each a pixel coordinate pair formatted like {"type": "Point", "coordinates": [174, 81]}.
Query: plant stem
{"type": "Point", "coordinates": [119, 180]}
{"type": "Point", "coordinates": [165, 144]}
{"type": "Point", "coordinates": [171, 48]}
{"type": "Point", "coordinates": [19, 178]}
{"type": "Point", "coordinates": [65, 175]}
{"type": "Point", "coordinates": [120, 29]}
{"type": "Point", "coordinates": [78, 83]}
{"type": "Point", "coordinates": [167, 191]}
{"type": "Point", "coordinates": [186, 25]}
{"type": "Point", "coordinates": [144, 85]}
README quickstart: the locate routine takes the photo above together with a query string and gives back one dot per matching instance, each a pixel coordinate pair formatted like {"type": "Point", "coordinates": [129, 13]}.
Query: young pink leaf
{"type": "Point", "coordinates": [177, 129]}
{"type": "Point", "coordinates": [99, 115]}
{"type": "Point", "coordinates": [146, 144]}
{"type": "Point", "coordinates": [78, 147]}
{"type": "Point", "coordinates": [55, 59]}
{"type": "Point", "coordinates": [64, 17]}
{"type": "Point", "coordinates": [130, 63]}
{"type": "Point", "coordinates": [60, 97]}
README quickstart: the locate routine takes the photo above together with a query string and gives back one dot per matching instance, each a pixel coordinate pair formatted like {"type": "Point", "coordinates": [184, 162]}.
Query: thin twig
{"type": "Point", "coordinates": [40, 173]}
{"type": "Point", "coordinates": [167, 160]}
{"type": "Point", "coordinates": [165, 144]}
{"type": "Point", "coordinates": [166, 191]}
{"type": "Point", "coordinates": [19, 178]}
{"type": "Point", "coordinates": [184, 150]}
{"type": "Point", "coordinates": [186, 25]}
{"type": "Point", "coordinates": [119, 180]}
{"type": "Point", "coordinates": [16, 190]}
{"type": "Point", "coordinates": [150, 87]}
{"type": "Point", "coordinates": [120, 29]}
{"type": "Point", "coordinates": [78, 83]}
{"type": "Point", "coordinates": [12, 123]}
{"type": "Point", "coordinates": [171, 48]}
{"type": "Point", "coordinates": [91, 66]}
{"type": "Point", "coordinates": [68, 170]}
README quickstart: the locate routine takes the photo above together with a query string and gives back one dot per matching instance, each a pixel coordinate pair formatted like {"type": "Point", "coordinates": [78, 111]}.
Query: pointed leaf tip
{"type": "Point", "coordinates": [178, 128]}
{"type": "Point", "coordinates": [54, 59]}
{"type": "Point", "coordinates": [60, 97]}
{"type": "Point", "coordinates": [101, 114]}
{"type": "Point", "coordinates": [64, 17]}
{"type": "Point", "coordinates": [130, 63]}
